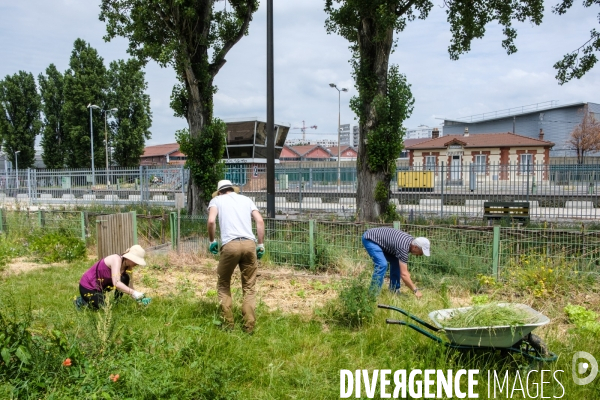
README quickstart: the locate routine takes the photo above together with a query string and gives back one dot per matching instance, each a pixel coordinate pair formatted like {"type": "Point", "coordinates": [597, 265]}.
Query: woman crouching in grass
{"type": "Point", "coordinates": [110, 272]}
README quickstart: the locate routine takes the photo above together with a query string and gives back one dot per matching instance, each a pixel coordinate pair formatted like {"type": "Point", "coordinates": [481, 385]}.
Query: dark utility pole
{"type": "Point", "coordinates": [270, 116]}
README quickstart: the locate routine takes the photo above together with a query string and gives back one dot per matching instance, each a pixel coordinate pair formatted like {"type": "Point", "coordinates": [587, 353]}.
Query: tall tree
{"type": "Point", "coordinates": [194, 37]}
{"type": "Point", "coordinates": [133, 118]}
{"type": "Point", "coordinates": [585, 138]}
{"type": "Point", "coordinates": [20, 122]}
{"type": "Point", "coordinates": [383, 94]}
{"type": "Point", "coordinates": [84, 84]}
{"type": "Point", "coordinates": [53, 134]}
{"type": "Point", "coordinates": [581, 60]}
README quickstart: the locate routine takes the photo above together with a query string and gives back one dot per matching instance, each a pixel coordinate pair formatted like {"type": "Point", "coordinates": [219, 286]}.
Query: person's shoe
{"type": "Point", "coordinates": [78, 302]}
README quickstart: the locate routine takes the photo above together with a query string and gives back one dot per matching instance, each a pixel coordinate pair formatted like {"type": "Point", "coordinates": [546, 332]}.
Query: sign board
{"type": "Point", "coordinates": [66, 182]}
{"type": "Point", "coordinates": [255, 172]}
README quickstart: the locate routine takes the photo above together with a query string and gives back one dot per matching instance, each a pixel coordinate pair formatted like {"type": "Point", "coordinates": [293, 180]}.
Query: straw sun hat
{"type": "Point", "coordinates": [136, 253]}
{"type": "Point", "coordinates": [224, 184]}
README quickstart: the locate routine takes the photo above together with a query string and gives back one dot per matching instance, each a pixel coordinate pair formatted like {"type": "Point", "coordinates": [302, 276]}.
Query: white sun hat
{"type": "Point", "coordinates": [224, 184]}
{"type": "Point", "coordinates": [423, 243]}
{"type": "Point", "coordinates": [136, 253]}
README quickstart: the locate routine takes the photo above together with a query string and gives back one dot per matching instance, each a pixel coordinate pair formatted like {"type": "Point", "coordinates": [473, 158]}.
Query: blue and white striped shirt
{"type": "Point", "coordinates": [391, 241]}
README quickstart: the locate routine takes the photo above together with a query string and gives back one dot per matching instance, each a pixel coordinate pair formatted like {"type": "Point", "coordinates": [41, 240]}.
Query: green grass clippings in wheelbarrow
{"type": "Point", "coordinates": [512, 339]}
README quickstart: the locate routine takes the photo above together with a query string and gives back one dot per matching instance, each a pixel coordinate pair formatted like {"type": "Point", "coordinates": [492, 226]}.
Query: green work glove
{"type": "Point", "coordinates": [214, 247]}
{"type": "Point", "coordinates": [260, 251]}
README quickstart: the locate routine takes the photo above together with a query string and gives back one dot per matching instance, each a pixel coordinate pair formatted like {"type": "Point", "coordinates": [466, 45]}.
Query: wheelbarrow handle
{"type": "Point", "coordinates": [416, 328]}
{"type": "Point", "coordinates": [411, 316]}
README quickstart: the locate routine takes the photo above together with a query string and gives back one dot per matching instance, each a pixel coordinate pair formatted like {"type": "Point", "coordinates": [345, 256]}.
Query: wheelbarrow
{"type": "Point", "coordinates": [508, 339]}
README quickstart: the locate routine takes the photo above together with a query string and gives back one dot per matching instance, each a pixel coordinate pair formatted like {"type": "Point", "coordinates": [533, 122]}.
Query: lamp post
{"type": "Point", "coordinates": [17, 166]}
{"type": "Point", "coordinates": [333, 85]}
{"type": "Point", "coordinates": [90, 106]}
{"type": "Point", "coordinates": [106, 145]}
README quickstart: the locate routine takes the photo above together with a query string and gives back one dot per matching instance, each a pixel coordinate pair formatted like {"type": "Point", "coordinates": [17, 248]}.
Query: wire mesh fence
{"type": "Point", "coordinates": [322, 245]}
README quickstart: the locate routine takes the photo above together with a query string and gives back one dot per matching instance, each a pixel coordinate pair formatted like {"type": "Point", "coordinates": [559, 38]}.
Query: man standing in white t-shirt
{"type": "Point", "coordinates": [238, 247]}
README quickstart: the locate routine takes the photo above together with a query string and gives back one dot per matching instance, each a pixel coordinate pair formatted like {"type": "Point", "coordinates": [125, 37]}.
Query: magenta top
{"type": "Point", "coordinates": [98, 277]}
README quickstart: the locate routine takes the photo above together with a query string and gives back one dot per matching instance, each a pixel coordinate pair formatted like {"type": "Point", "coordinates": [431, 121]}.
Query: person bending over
{"type": "Point", "coordinates": [389, 245]}
{"type": "Point", "coordinates": [111, 272]}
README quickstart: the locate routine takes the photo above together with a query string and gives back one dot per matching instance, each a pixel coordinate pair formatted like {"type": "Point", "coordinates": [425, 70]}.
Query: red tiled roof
{"type": "Point", "coordinates": [412, 142]}
{"type": "Point", "coordinates": [304, 149]}
{"type": "Point", "coordinates": [334, 150]}
{"type": "Point", "coordinates": [506, 139]}
{"type": "Point", "coordinates": [289, 152]}
{"type": "Point", "coordinates": [160, 150]}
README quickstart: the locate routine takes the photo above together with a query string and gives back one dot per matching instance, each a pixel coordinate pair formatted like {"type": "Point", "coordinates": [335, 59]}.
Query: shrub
{"type": "Point", "coordinates": [356, 302]}
{"type": "Point", "coordinates": [56, 246]}
{"type": "Point", "coordinates": [540, 275]}
{"type": "Point", "coordinates": [583, 319]}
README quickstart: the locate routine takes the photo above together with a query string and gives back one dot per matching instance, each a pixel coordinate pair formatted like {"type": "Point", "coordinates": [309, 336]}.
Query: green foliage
{"type": "Point", "coordinates": [541, 276]}
{"type": "Point", "coordinates": [130, 126]}
{"type": "Point", "coordinates": [56, 246]}
{"type": "Point", "coordinates": [20, 123]}
{"type": "Point", "coordinates": [585, 320]}
{"type": "Point", "coordinates": [578, 62]}
{"type": "Point", "coordinates": [53, 135]}
{"type": "Point", "coordinates": [204, 154]}
{"type": "Point", "coordinates": [384, 142]}
{"type": "Point", "coordinates": [84, 83]}
{"type": "Point", "coordinates": [488, 315]}
{"type": "Point", "coordinates": [185, 34]}
{"type": "Point", "coordinates": [356, 303]}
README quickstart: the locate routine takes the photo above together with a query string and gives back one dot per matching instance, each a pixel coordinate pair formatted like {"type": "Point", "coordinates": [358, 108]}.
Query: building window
{"type": "Point", "coordinates": [480, 163]}
{"type": "Point", "coordinates": [430, 163]}
{"type": "Point", "coordinates": [526, 165]}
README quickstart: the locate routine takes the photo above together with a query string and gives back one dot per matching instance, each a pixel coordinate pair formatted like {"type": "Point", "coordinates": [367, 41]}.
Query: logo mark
{"type": "Point", "coordinates": [580, 368]}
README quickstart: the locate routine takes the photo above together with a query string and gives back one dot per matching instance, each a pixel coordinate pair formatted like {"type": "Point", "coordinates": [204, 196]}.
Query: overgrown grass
{"type": "Point", "coordinates": [172, 348]}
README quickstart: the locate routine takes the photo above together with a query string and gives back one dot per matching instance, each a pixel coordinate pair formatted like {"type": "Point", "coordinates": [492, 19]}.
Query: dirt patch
{"type": "Point", "coordinates": [23, 265]}
{"type": "Point", "coordinates": [283, 289]}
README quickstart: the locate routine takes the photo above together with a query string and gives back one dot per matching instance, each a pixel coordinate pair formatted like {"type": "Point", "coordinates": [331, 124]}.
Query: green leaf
{"type": "Point", "coordinates": [5, 355]}
{"type": "Point", "coordinates": [23, 355]}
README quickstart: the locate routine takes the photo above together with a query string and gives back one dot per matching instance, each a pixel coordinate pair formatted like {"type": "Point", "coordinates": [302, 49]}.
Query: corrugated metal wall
{"type": "Point", "coordinates": [557, 123]}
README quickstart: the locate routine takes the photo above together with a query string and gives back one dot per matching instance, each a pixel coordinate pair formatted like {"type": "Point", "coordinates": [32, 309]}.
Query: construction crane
{"type": "Point", "coordinates": [304, 128]}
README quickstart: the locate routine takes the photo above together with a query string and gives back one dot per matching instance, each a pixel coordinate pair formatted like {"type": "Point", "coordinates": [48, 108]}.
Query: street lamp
{"type": "Point", "coordinates": [333, 85]}
{"type": "Point", "coordinates": [17, 166]}
{"type": "Point", "coordinates": [106, 145]}
{"type": "Point", "coordinates": [90, 106]}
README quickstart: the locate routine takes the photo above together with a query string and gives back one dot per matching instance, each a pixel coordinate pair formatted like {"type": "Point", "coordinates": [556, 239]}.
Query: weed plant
{"type": "Point", "coordinates": [488, 315]}
{"type": "Point", "coordinates": [55, 246]}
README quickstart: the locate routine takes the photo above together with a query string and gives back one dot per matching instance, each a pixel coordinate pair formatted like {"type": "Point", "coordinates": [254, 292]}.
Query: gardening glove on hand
{"type": "Point", "coordinates": [260, 251]}
{"type": "Point", "coordinates": [137, 295]}
{"type": "Point", "coordinates": [214, 247]}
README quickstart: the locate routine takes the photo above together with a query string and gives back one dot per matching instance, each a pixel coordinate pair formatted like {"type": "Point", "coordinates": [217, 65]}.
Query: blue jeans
{"type": "Point", "coordinates": [381, 260]}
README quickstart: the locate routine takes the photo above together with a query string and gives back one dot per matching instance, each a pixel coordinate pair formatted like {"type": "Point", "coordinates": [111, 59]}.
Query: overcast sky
{"type": "Point", "coordinates": [35, 33]}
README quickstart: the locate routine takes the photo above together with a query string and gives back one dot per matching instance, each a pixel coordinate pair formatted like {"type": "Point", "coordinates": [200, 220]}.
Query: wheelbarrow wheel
{"type": "Point", "coordinates": [537, 344]}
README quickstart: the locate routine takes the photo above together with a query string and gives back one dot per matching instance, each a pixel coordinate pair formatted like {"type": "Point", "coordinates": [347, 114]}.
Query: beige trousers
{"type": "Point", "coordinates": [234, 253]}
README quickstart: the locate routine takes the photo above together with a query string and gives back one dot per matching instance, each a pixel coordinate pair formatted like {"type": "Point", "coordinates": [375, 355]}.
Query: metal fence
{"type": "Point", "coordinates": [307, 190]}
{"type": "Point", "coordinates": [335, 245]}
{"type": "Point", "coordinates": [462, 250]}
{"type": "Point", "coordinates": [155, 185]}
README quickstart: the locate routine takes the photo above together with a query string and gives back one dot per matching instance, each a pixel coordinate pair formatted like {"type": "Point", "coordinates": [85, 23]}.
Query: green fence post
{"type": "Point", "coordinates": [134, 223]}
{"type": "Point", "coordinates": [82, 221]}
{"type": "Point", "coordinates": [396, 224]}
{"type": "Point", "coordinates": [173, 229]}
{"type": "Point", "coordinates": [311, 241]}
{"type": "Point", "coordinates": [40, 218]}
{"type": "Point", "coordinates": [496, 251]}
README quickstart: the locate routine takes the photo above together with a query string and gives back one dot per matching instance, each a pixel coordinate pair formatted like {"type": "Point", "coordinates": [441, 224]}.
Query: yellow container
{"type": "Point", "coordinates": [415, 180]}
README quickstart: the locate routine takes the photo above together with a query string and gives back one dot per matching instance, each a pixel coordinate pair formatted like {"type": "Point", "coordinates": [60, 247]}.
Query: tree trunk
{"type": "Point", "coordinates": [374, 61]}
{"type": "Point", "coordinates": [197, 115]}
